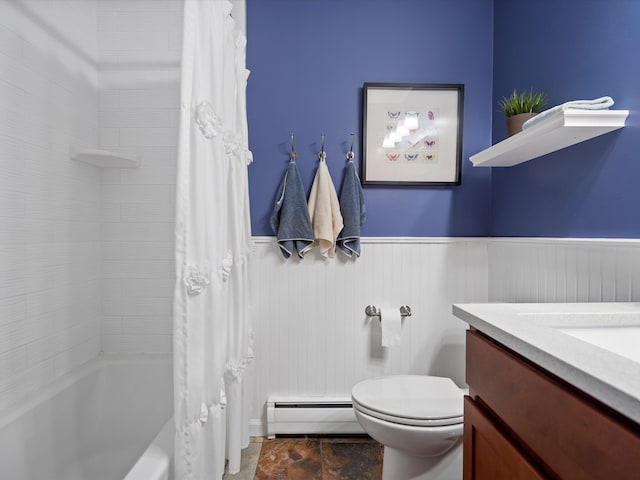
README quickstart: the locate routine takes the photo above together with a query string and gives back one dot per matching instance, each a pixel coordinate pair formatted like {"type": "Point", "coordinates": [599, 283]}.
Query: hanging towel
{"type": "Point", "coordinates": [290, 218]}
{"type": "Point", "coordinates": [324, 211]}
{"type": "Point", "coordinates": [353, 211]}
{"type": "Point", "coordinates": [601, 103]}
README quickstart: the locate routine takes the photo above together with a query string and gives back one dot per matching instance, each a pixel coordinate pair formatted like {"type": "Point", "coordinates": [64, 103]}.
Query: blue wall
{"type": "Point", "coordinates": [571, 49]}
{"type": "Point", "coordinates": [308, 61]}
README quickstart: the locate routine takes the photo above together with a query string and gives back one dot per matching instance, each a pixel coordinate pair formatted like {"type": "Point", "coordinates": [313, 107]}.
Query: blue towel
{"type": "Point", "coordinates": [601, 103]}
{"type": "Point", "coordinates": [353, 212]}
{"type": "Point", "coordinates": [290, 218]}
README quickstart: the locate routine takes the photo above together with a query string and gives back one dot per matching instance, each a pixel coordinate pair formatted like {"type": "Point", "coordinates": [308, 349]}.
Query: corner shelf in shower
{"type": "Point", "coordinates": [105, 158]}
{"type": "Point", "coordinates": [561, 129]}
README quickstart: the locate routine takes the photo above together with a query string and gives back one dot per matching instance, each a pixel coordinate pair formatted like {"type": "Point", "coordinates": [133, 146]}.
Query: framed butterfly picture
{"type": "Point", "coordinates": [412, 134]}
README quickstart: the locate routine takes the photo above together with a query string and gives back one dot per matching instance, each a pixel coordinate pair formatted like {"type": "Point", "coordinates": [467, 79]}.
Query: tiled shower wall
{"type": "Point", "coordinates": [139, 49]}
{"type": "Point", "coordinates": [49, 204]}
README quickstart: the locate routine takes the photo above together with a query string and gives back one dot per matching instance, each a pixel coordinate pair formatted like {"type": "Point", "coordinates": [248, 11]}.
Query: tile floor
{"type": "Point", "coordinates": [311, 458]}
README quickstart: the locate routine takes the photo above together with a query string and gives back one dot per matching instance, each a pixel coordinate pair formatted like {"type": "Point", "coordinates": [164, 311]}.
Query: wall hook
{"type": "Point", "coordinates": [322, 155]}
{"type": "Point", "coordinates": [350, 154]}
{"type": "Point", "coordinates": [293, 154]}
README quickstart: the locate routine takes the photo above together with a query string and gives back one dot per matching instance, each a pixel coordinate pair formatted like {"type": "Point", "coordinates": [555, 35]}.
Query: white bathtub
{"type": "Point", "coordinates": [93, 424]}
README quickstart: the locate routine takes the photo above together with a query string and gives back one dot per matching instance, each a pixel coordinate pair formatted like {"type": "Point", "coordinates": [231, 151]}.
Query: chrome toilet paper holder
{"type": "Point", "coordinates": [373, 311]}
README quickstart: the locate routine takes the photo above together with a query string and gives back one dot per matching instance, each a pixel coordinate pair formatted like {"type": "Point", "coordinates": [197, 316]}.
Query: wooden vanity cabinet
{"type": "Point", "coordinates": [522, 422]}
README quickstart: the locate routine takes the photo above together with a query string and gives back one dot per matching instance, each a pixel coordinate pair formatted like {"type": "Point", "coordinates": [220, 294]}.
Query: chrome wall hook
{"type": "Point", "coordinates": [350, 154]}
{"type": "Point", "coordinates": [292, 154]}
{"type": "Point", "coordinates": [322, 155]}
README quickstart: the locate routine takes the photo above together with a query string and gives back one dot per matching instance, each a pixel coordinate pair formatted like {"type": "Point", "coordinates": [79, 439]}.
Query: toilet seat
{"type": "Point", "coordinates": [414, 400]}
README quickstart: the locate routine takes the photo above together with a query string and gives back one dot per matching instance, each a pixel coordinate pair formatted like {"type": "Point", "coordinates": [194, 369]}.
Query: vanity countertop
{"type": "Point", "coordinates": [537, 331]}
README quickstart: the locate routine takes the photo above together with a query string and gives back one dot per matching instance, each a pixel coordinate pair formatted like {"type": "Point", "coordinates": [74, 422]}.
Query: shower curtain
{"type": "Point", "coordinates": [212, 338]}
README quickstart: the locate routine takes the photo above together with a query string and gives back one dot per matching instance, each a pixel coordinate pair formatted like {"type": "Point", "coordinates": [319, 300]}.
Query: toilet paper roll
{"type": "Point", "coordinates": [391, 323]}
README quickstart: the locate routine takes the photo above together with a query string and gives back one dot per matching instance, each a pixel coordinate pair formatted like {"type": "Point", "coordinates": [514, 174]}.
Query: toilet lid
{"type": "Point", "coordinates": [410, 400]}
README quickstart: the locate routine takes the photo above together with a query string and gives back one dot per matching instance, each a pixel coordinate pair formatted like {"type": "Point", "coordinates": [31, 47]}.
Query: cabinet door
{"type": "Point", "coordinates": [488, 454]}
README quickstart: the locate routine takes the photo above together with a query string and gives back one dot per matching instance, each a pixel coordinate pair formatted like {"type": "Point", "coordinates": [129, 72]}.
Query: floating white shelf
{"type": "Point", "coordinates": [105, 158]}
{"type": "Point", "coordinates": [559, 130]}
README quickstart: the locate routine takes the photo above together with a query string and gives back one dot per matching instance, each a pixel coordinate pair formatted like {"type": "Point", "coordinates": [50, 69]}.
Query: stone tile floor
{"type": "Point", "coordinates": [311, 458]}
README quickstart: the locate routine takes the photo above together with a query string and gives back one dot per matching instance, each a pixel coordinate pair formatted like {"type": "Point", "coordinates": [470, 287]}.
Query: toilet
{"type": "Point", "coordinates": [418, 419]}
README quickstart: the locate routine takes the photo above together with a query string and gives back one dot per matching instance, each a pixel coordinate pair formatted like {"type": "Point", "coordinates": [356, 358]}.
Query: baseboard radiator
{"type": "Point", "coordinates": [310, 415]}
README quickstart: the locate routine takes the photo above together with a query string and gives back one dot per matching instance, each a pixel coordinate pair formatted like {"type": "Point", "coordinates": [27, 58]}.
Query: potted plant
{"type": "Point", "coordinates": [520, 107]}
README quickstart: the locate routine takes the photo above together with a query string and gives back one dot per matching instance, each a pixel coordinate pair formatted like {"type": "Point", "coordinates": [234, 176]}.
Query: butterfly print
{"type": "Point", "coordinates": [411, 156]}
{"type": "Point", "coordinates": [431, 115]}
{"type": "Point", "coordinates": [393, 115]}
{"type": "Point", "coordinates": [430, 143]}
{"type": "Point", "coordinates": [393, 156]}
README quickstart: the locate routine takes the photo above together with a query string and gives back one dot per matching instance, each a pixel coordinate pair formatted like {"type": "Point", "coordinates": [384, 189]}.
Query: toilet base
{"type": "Point", "coordinates": [397, 465]}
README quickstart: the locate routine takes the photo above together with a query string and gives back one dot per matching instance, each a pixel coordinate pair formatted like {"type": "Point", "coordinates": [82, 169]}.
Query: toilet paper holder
{"type": "Point", "coordinates": [373, 311]}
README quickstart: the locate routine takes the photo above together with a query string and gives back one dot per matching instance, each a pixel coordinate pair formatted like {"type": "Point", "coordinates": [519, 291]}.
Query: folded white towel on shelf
{"type": "Point", "coordinates": [324, 211]}
{"type": "Point", "coordinates": [601, 103]}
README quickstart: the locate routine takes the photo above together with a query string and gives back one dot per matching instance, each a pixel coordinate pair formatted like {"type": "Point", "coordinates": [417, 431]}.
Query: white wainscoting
{"type": "Point", "coordinates": [313, 338]}
{"type": "Point", "coordinates": [564, 270]}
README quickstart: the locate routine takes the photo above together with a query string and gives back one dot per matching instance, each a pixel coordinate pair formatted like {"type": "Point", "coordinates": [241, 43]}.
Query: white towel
{"type": "Point", "coordinates": [324, 211]}
{"type": "Point", "coordinates": [601, 103]}
{"type": "Point", "coordinates": [391, 324]}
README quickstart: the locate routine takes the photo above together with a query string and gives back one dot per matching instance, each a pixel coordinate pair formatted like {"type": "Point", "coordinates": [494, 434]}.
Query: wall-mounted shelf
{"type": "Point", "coordinates": [105, 158]}
{"type": "Point", "coordinates": [559, 130]}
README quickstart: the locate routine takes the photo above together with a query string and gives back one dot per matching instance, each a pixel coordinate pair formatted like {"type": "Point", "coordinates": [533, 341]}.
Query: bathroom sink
{"type": "Point", "coordinates": [593, 346]}
{"type": "Point", "coordinates": [623, 341]}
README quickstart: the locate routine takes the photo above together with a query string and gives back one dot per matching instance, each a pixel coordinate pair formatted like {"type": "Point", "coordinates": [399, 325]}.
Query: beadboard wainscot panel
{"type": "Point", "coordinates": [563, 270]}
{"type": "Point", "coordinates": [313, 337]}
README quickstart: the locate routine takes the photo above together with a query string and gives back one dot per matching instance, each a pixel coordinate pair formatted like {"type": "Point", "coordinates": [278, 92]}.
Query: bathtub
{"type": "Point", "coordinates": [94, 424]}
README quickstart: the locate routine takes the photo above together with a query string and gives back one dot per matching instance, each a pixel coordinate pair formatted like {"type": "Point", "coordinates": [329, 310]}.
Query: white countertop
{"type": "Point", "coordinates": [532, 330]}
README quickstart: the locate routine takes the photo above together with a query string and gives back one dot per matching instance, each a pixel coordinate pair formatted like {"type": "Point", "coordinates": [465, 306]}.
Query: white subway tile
{"type": "Point", "coordinates": [148, 325]}
{"type": "Point", "coordinates": [128, 5]}
{"type": "Point", "coordinates": [111, 326]}
{"type": "Point", "coordinates": [150, 98]}
{"type": "Point", "coordinates": [110, 213]}
{"type": "Point", "coordinates": [121, 76]}
{"type": "Point", "coordinates": [137, 231]}
{"type": "Point", "coordinates": [109, 176]}
{"type": "Point", "coordinates": [136, 268]}
{"type": "Point", "coordinates": [108, 100]}
{"type": "Point", "coordinates": [147, 21]}
{"type": "Point", "coordinates": [76, 356]}
{"type": "Point", "coordinates": [154, 137]}
{"type": "Point", "coordinates": [109, 137]}
{"type": "Point", "coordinates": [159, 156]}
{"type": "Point", "coordinates": [135, 118]}
{"type": "Point", "coordinates": [138, 193]}
{"type": "Point", "coordinates": [13, 309]}
{"type": "Point", "coordinates": [149, 212]}
{"type": "Point", "coordinates": [149, 176]}
{"type": "Point", "coordinates": [111, 251]}
{"type": "Point", "coordinates": [10, 43]}
{"type": "Point", "coordinates": [147, 287]}
{"type": "Point", "coordinates": [16, 334]}
{"type": "Point", "coordinates": [136, 40]}
{"type": "Point", "coordinates": [151, 250]}
{"type": "Point", "coordinates": [137, 343]}
{"type": "Point", "coordinates": [128, 306]}
{"type": "Point", "coordinates": [13, 362]}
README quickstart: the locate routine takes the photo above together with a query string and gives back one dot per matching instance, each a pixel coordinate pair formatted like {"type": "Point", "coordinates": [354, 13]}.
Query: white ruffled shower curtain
{"type": "Point", "coordinates": [212, 337]}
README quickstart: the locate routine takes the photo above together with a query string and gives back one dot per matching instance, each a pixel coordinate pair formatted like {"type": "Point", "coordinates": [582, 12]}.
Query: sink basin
{"type": "Point", "coordinates": [623, 341]}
